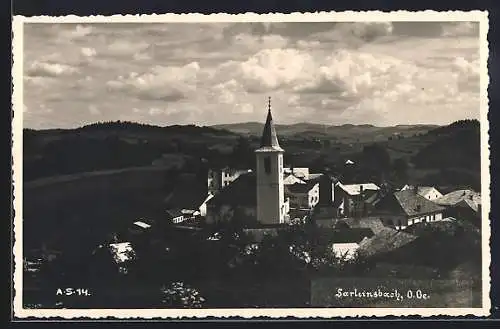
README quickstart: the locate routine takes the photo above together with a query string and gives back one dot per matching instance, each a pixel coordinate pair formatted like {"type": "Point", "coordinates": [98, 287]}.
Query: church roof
{"type": "Point", "coordinates": [241, 192]}
{"type": "Point", "coordinates": [269, 139]}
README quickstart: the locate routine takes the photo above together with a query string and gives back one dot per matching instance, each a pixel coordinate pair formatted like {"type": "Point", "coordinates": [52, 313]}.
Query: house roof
{"type": "Point", "coordinates": [385, 240]}
{"type": "Point", "coordinates": [269, 139]}
{"type": "Point", "coordinates": [373, 199]}
{"type": "Point", "coordinates": [422, 190]}
{"type": "Point", "coordinates": [142, 225]}
{"type": "Point", "coordinates": [288, 177]}
{"type": "Point", "coordinates": [242, 191]}
{"type": "Point", "coordinates": [469, 203]}
{"type": "Point", "coordinates": [301, 188]}
{"type": "Point", "coordinates": [313, 177]}
{"type": "Point", "coordinates": [414, 204]}
{"type": "Point", "coordinates": [174, 213]}
{"type": "Point", "coordinates": [354, 189]}
{"type": "Point", "coordinates": [188, 194]}
{"type": "Point", "coordinates": [372, 223]}
{"type": "Point", "coordinates": [455, 197]}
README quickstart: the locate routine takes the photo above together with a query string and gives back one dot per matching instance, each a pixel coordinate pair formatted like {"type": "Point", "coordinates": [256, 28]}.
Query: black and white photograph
{"type": "Point", "coordinates": [307, 165]}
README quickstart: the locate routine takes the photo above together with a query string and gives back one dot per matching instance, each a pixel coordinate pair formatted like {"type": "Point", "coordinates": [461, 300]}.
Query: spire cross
{"type": "Point", "coordinates": [269, 104]}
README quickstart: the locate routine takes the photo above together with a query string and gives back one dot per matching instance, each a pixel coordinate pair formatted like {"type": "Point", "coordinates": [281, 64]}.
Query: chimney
{"type": "Point", "coordinates": [361, 190]}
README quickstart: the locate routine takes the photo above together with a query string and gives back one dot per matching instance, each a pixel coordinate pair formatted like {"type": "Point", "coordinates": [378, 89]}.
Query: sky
{"type": "Point", "coordinates": [378, 73]}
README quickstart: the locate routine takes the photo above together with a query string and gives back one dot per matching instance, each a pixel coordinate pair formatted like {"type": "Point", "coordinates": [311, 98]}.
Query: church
{"type": "Point", "coordinates": [266, 196]}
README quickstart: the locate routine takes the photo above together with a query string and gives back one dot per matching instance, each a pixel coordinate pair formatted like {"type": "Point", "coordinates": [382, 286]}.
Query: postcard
{"type": "Point", "coordinates": [306, 165]}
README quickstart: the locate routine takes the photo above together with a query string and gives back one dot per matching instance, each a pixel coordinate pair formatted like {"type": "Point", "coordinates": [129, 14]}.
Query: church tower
{"type": "Point", "coordinates": [270, 189]}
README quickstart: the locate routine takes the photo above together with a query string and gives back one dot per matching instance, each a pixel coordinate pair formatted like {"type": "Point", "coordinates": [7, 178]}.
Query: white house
{"type": "Point", "coordinates": [303, 196]}
{"type": "Point", "coordinates": [428, 192]}
{"type": "Point", "coordinates": [351, 197]}
{"type": "Point", "coordinates": [220, 178]}
{"type": "Point", "coordinates": [175, 215]}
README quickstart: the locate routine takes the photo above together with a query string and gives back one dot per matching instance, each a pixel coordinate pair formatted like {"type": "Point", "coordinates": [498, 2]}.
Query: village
{"type": "Point", "coordinates": [357, 216]}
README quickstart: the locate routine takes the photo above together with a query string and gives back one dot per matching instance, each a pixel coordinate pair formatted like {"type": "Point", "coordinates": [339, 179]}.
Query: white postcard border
{"type": "Point", "coordinates": [348, 16]}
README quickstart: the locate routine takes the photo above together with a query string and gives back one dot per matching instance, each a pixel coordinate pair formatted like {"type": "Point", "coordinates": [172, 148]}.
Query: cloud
{"type": "Point", "coordinates": [160, 83]}
{"type": "Point", "coordinates": [74, 32]}
{"type": "Point", "coordinates": [258, 42]}
{"type": "Point", "coordinates": [126, 48]}
{"type": "Point", "coordinates": [381, 72]}
{"type": "Point", "coordinates": [94, 110]}
{"type": "Point", "coordinates": [46, 69]}
{"type": "Point", "coordinates": [460, 29]}
{"type": "Point", "coordinates": [269, 69]}
{"type": "Point", "coordinates": [88, 52]}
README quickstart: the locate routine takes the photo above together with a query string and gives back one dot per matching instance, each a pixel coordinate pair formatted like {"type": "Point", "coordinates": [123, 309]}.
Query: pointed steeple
{"type": "Point", "coordinates": [269, 138]}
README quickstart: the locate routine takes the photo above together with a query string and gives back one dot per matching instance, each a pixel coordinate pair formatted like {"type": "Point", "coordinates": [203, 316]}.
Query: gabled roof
{"type": "Point", "coordinates": [301, 188]}
{"type": "Point", "coordinates": [374, 198]}
{"type": "Point", "coordinates": [174, 213]}
{"type": "Point", "coordinates": [355, 189]}
{"type": "Point", "coordinates": [142, 224]}
{"type": "Point", "coordinates": [414, 204]}
{"type": "Point", "coordinates": [241, 192]}
{"type": "Point", "coordinates": [422, 190]}
{"type": "Point", "coordinates": [314, 177]}
{"type": "Point", "coordinates": [385, 240]}
{"type": "Point", "coordinates": [269, 139]}
{"type": "Point", "coordinates": [455, 197]}
{"type": "Point", "coordinates": [291, 177]}
{"type": "Point", "coordinates": [188, 194]}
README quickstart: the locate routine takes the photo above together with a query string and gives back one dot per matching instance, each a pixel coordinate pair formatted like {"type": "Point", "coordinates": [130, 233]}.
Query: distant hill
{"type": "Point", "coordinates": [116, 145]}
{"type": "Point", "coordinates": [347, 132]}
{"type": "Point", "coordinates": [455, 145]}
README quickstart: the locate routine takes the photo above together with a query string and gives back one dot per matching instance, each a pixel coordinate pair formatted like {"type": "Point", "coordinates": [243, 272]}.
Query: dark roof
{"type": "Point", "coordinates": [374, 198]}
{"type": "Point", "coordinates": [373, 223]}
{"type": "Point", "coordinates": [301, 188]}
{"type": "Point", "coordinates": [241, 192]}
{"type": "Point", "coordinates": [414, 204]}
{"type": "Point", "coordinates": [174, 213]}
{"type": "Point", "coordinates": [188, 194]}
{"type": "Point", "coordinates": [269, 137]}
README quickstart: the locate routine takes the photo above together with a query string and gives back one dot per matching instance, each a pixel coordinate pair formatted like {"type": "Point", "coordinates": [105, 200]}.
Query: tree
{"type": "Point", "coordinates": [376, 155]}
{"type": "Point", "coordinates": [178, 294]}
{"type": "Point", "coordinates": [400, 167]}
{"type": "Point", "coordinates": [243, 153]}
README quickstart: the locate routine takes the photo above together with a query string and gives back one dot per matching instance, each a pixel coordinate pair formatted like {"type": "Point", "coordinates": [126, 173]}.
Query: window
{"type": "Point", "coordinates": [267, 165]}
